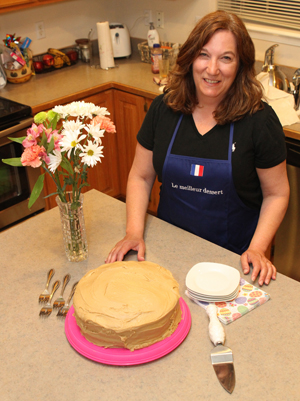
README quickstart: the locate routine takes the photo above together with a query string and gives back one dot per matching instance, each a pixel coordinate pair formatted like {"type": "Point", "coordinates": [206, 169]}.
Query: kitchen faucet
{"type": "Point", "coordinates": [296, 91]}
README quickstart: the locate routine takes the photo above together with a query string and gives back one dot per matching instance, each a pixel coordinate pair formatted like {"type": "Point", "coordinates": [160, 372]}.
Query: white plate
{"type": "Point", "coordinates": [215, 296]}
{"type": "Point", "coordinates": [213, 279]}
{"type": "Point", "coordinates": [212, 299]}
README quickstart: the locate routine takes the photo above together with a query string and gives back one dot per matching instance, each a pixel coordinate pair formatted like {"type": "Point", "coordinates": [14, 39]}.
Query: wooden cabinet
{"type": "Point", "coordinates": [9, 3]}
{"type": "Point", "coordinates": [105, 175]}
{"type": "Point", "coordinates": [129, 115]}
{"type": "Point", "coordinates": [14, 5]}
{"type": "Point", "coordinates": [130, 111]}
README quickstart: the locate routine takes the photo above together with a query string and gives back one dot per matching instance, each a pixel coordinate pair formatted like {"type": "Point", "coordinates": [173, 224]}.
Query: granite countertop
{"type": "Point", "coordinates": [81, 80]}
{"type": "Point", "coordinates": [39, 363]}
{"type": "Point", "coordinates": [43, 91]}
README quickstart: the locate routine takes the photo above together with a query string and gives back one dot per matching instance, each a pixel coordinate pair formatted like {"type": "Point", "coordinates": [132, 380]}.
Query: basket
{"type": "Point", "coordinates": [57, 63]}
{"type": "Point", "coordinates": [22, 74]}
{"type": "Point", "coordinates": [170, 50]}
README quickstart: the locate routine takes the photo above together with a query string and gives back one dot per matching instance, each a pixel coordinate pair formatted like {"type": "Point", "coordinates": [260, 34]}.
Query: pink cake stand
{"type": "Point", "coordinates": [122, 356]}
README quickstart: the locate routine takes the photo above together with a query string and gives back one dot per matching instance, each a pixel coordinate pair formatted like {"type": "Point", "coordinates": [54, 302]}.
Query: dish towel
{"type": "Point", "coordinates": [282, 102]}
{"type": "Point", "coordinates": [248, 298]}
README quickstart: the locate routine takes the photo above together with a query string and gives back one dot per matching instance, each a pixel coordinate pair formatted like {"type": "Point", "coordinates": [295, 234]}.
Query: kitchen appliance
{"type": "Point", "coordinates": [120, 40]}
{"type": "Point", "coordinates": [221, 356]}
{"type": "Point", "coordinates": [276, 77]}
{"type": "Point", "coordinates": [16, 183]}
{"type": "Point", "coordinates": [287, 249]}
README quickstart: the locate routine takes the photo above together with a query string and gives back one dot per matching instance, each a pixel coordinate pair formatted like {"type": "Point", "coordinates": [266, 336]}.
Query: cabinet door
{"type": "Point", "coordinates": [130, 111]}
{"type": "Point", "coordinates": [104, 176]}
{"type": "Point", "coordinates": [129, 115]}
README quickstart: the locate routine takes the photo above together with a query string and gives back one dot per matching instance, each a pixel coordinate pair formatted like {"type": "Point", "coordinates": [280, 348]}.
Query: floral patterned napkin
{"type": "Point", "coordinates": [248, 298]}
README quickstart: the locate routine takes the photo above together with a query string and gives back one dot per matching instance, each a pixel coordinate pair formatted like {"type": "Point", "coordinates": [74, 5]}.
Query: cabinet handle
{"type": "Point", "coordinates": [145, 107]}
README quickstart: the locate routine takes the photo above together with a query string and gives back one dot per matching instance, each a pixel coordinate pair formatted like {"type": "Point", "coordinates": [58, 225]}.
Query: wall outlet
{"type": "Point", "coordinates": [147, 17]}
{"type": "Point", "coordinates": [40, 30]}
{"type": "Point", "coordinates": [160, 19]}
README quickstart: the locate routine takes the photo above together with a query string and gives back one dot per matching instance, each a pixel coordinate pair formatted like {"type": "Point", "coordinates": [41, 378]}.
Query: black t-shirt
{"type": "Point", "coordinates": [258, 142]}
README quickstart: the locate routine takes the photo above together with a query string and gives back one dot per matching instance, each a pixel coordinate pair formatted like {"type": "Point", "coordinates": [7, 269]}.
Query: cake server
{"type": "Point", "coordinates": [221, 356]}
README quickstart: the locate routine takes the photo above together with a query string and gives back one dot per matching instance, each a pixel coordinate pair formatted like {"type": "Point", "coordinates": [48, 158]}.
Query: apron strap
{"type": "Point", "coordinates": [171, 143]}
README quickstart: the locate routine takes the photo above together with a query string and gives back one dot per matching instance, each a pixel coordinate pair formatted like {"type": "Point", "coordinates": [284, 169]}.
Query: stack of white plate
{"type": "Point", "coordinates": [213, 282]}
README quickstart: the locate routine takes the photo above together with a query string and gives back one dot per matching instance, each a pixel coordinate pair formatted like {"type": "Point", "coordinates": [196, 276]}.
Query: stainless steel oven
{"type": "Point", "coordinates": [16, 183]}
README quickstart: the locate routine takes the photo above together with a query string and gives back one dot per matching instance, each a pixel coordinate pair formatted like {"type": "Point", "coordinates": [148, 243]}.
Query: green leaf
{"type": "Point", "coordinates": [44, 140]}
{"type": "Point", "coordinates": [53, 193]}
{"type": "Point", "coordinates": [69, 181]}
{"type": "Point", "coordinates": [51, 145]}
{"type": "Point", "coordinates": [53, 118]}
{"type": "Point", "coordinates": [85, 184]}
{"type": "Point", "coordinates": [16, 162]}
{"type": "Point", "coordinates": [18, 140]}
{"type": "Point", "coordinates": [37, 189]}
{"type": "Point", "coordinates": [65, 164]}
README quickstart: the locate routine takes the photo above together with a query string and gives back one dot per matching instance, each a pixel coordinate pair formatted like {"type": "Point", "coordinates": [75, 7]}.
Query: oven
{"type": "Point", "coordinates": [16, 183]}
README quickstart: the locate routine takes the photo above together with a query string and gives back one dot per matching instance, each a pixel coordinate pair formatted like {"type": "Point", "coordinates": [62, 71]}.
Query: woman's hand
{"type": "Point", "coordinates": [261, 266]}
{"type": "Point", "coordinates": [125, 245]}
{"type": "Point", "coordinates": [275, 190]}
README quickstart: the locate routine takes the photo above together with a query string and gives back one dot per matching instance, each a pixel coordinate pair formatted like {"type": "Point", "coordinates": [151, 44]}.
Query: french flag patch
{"type": "Point", "coordinates": [197, 170]}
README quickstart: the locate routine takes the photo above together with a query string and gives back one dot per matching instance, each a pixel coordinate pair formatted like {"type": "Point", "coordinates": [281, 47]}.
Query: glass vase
{"type": "Point", "coordinates": [73, 227]}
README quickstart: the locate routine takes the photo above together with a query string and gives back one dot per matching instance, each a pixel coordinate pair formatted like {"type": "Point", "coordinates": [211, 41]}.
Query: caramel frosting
{"type": "Point", "coordinates": [127, 305]}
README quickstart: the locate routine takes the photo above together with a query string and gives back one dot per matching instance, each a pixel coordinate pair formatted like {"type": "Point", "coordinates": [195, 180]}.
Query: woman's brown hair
{"type": "Point", "coordinates": [245, 94]}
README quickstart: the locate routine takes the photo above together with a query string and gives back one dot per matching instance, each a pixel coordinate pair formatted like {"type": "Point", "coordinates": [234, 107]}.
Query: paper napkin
{"type": "Point", "coordinates": [249, 298]}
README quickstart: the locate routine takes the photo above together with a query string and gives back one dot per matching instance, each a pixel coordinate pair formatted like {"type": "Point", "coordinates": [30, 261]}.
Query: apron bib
{"type": "Point", "coordinates": [199, 196]}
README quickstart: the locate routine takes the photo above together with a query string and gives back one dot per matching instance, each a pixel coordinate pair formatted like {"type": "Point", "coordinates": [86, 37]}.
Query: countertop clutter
{"type": "Point", "coordinates": [39, 362]}
{"type": "Point", "coordinates": [80, 80]}
{"type": "Point", "coordinates": [45, 91]}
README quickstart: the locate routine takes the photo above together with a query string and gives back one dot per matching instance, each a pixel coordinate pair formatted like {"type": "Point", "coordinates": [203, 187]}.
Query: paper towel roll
{"type": "Point", "coordinates": [105, 45]}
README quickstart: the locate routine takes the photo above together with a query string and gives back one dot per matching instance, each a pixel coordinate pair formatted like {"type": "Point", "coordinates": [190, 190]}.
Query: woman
{"type": "Point", "coordinates": [218, 150]}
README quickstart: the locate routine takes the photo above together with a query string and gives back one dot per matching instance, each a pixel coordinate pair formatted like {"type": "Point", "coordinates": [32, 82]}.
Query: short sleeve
{"type": "Point", "coordinates": [269, 140]}
{"type": "Point", "coordinates": [146, 133]}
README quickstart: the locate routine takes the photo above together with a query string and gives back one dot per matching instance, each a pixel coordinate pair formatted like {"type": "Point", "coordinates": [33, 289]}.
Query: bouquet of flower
{"type": "Point", "coordinates": [65, 153]}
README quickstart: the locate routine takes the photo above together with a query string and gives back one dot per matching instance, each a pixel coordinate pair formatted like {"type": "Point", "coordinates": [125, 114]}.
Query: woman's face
{"type": "Point", "coordinates": [215, 69]}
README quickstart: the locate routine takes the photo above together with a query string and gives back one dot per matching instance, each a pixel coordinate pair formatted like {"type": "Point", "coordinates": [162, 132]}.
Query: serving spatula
{"type": "Point", "coordinates": [221, 356]}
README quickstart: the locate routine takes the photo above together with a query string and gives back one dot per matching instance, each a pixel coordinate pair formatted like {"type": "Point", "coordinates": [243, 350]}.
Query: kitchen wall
{"type": "Point", "coordinates": [64, 22]}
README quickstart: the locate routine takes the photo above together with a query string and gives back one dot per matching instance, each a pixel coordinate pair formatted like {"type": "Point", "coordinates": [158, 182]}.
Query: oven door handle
{"type": "Point", "coordinates": [20, 125]}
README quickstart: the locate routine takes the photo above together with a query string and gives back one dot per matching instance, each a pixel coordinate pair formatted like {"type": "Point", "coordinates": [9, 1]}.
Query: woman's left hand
{"type": "Point", "coordinates": [262, 266]}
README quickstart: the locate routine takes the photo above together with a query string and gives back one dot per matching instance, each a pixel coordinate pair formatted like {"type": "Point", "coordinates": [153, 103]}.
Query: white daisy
{"type": "Point", "coordinates": [55, 160]}
{"type": "Point", "coordinates": [71, 140]}
{"type": "Point", "coordinates": [80, 109]}
{"type": "Point", "coordinates": [95, 132]}
{"type": "Point", "coordinates": [73, 125]}
{"type": "Point", "coordinates": [61, 110]}
{"type": "Point", "coordinates": [91, 154]}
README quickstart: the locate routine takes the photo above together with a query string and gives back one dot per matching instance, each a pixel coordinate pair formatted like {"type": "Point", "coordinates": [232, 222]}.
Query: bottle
{"type": "Point", "coordinates": [156, 55]}
{"type": "Point", "coordinates": [152, 36]}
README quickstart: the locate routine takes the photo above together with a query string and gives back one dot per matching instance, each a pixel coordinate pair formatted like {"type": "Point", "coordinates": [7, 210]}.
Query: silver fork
{"type": "Point", "coordinates": [59, 302]}
{"type": "Point", "coordinates": [65, 309]}
{"type": "Point", "coordinates": [44, 296]}
{"type": "Point", "coordinates": [47, 309]}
